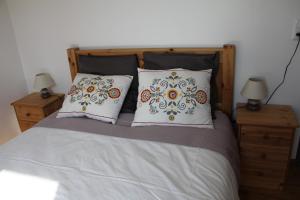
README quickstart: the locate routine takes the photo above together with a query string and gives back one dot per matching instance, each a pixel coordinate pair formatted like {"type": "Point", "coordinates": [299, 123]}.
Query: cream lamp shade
{"type": "Point", "coordinates": [43, 80]}
{"type": "Point", "coordinates": [255, 89]}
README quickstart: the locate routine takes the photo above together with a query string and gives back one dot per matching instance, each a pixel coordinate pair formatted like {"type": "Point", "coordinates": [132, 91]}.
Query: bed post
{"type": "Point", "coordinates": [228, 78]}
{"type": "Point", "coordinates": [73, 61]}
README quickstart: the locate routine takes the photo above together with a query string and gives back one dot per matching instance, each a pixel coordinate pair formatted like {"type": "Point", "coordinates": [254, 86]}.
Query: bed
{"type": "Point", "coordinates": [81, 158]}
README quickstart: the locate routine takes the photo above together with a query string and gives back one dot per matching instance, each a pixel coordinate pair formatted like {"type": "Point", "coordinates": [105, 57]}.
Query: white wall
{"type": "Point", "coordinates": [261, 30]}
{"type": "Point", "coordinates": [12, 81]}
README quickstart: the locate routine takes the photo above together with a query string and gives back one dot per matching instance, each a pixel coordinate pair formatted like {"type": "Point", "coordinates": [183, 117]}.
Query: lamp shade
{"type": "Point", "coordinates": [255, 88]}
{"type": "Point", "coordinates": [43, 80]}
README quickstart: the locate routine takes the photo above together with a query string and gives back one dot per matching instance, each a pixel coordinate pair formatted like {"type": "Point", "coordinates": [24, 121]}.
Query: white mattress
{"type": "Point", "coordinates": [57, 164]}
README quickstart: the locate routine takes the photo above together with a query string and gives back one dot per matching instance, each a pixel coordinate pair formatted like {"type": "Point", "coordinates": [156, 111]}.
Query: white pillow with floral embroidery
{"type": "Point", "coordinates": [176, 97]}
{"type": "Point", "coordinates": [97, 97]}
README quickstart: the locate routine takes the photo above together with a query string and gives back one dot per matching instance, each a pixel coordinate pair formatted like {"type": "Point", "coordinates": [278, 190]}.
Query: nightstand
{"type": "Point", "coordinates": [265, 141]}
{"type": "Point", "coordinates": [33, 108]}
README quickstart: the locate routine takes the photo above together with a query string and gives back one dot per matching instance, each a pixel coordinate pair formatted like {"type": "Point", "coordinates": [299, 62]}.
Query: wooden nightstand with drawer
{"type": "Point", "coordinates": [33, 108]}
{"type": "Point", "coordinates": [265, 139]}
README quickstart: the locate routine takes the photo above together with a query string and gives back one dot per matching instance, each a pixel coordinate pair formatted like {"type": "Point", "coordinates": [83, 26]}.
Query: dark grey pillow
{"type": "Point", "coordinates": [165, 61]}
{"type": "Point", "coordinates": [114, 65]}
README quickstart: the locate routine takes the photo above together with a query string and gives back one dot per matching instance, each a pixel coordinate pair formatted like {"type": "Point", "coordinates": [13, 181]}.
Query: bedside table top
{"type": "Point", "coordinates": [269, 115]}
{"type": "Point", "coordinates": [34, 99]}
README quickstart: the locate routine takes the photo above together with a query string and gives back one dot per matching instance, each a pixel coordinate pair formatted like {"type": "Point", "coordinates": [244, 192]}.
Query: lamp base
{"type": "Point", "coordinates": [45, 93]}
{"type": "Point", "coordinates": [253, 105]}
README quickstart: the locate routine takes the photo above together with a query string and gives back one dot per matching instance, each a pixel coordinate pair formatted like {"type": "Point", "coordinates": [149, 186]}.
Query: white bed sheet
{"type": "Point", "coordinates": [57, 164]}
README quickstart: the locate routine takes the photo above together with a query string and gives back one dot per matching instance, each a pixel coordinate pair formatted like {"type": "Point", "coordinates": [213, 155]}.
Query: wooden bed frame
{"type": "Point", "coordinates": [225, 76]}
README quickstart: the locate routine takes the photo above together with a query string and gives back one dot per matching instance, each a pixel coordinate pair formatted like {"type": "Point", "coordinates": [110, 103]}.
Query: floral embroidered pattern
{"type": "Point", "coordinates": [146, 95]}
{"type": "Point", "coordinates": [93, 90]}
{"type": "Point", "coordinates": [173, 95]}
{"type": "Point", "coordinates": [114, 93]}
{"type": "Point", "coordinates": [201, 97]}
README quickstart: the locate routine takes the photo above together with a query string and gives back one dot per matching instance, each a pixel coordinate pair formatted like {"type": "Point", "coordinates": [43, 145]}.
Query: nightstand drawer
{"type": "Point", "coordinates": [33, 108]}
{"type": "Point", "coordinates": [53, 107]}
{"type": "Point", "coordinates": [24, 125]}
{"type": "Point", "coordinates": [275, 174]}
{"type": "Point", "coordinates": [29, 113]}
{"type": "Point", "coordinates": [264, 153]}
{"type": "Point", "coordinates": [262, 174]}
{"type": "Point", "coordinates": [266, 136]}
{"type": "Point", "coordinates": [262, 165]}
{"type": "Point", "coordinates": [261, 182]}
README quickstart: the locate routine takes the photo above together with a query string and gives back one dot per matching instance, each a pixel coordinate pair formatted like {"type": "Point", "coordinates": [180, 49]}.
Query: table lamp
{"type": "Point", "coordinates": [42, 82]}
{"type": "Point", "coordinates": [255, 90]}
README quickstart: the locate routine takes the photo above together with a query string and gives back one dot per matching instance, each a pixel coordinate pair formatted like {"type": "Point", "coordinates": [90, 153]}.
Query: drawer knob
{"type": "Point", "coordinates": [260, 174]}
{"type": "Point", "coordinates": [263, 156]}
{"type": "Point", "coordinates": [27, 114]}
{"type": "Point", "coordinates": [266, 137]}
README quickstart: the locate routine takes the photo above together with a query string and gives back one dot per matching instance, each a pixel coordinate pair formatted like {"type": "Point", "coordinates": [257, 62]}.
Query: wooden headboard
{"type": "Point", "coordinates": [225, 76]}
